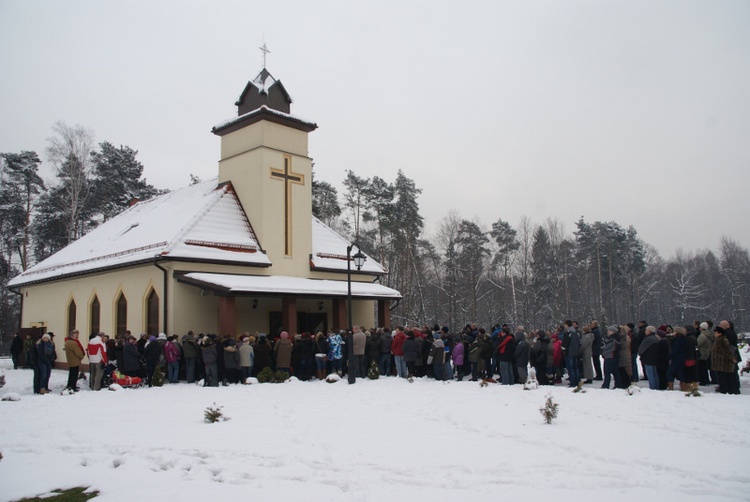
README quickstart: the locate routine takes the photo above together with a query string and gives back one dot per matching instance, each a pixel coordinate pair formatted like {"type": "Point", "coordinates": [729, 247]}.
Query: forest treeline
{"type": "Point", "coordinates": [530, 273]}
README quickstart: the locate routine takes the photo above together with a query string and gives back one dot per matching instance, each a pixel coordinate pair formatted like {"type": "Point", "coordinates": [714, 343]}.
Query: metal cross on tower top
{"type": "Point", "coordinates": [265, 51]}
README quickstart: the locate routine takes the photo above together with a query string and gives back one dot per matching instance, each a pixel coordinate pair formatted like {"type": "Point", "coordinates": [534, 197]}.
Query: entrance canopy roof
{"type": "Point", "coordinates": [277, 285]}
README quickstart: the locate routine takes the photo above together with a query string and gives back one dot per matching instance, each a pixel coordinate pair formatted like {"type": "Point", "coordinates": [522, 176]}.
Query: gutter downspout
{"type": "Point", "coordinates": [165, 291]}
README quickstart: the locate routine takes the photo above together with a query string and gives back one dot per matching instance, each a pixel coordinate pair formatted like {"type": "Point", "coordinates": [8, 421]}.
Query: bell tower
{"type": "Point", "coordinates": [264, 154]}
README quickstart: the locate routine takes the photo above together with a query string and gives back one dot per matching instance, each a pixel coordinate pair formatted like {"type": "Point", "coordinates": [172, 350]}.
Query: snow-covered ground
{"type": "Point", "coordinates": [386, 439]}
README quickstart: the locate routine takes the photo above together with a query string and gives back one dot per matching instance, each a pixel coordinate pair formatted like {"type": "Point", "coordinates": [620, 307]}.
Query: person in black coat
{"type": "Point", "coordinates": [263, 354]}
{"type": "Point", "coordinates": [16, 347]}
{"type": "Point", "coordinates": [596, 349]}
{"type": "Point", "coordinates": [665, 350]}
{"type": "Point", "coordinates": [131, 358]}
{"type": "Point", "coordinates": [151, 352]}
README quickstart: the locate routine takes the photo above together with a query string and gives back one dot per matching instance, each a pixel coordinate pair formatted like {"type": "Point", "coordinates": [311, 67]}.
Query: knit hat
{"type": "Point", "coordinates": [162, 336]}
{"type": "Point", "coordinates": [704, 325]}
{"type": "Point", "coordinates": [284, 334]}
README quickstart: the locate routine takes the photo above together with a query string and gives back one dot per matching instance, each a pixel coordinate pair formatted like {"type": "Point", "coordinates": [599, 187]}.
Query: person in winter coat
{"type": "Point", "coordinates": [474, 360]}
{"type": "Point", "coordinates": [611, 355]}
{"type": "Point", "coordinates": [209, 354]}
{"type": "Point", "coordinates": [131, 358]}
{"type": "Point", "coordinates": [677, 360]}
{"type": "Point", "coordinates": [172, 355]}
{"type": "Point", "coordinates": [538, 357]}
{"type": "Point", "coordinates": [152, 353]}
{"type": "Point", "coordinates": [587, 360]}
{"type": "Point", "coordinates": [263, 354]}
{"type": "Point", "coordinates": [386, 340]}
{"type": "Point", "coordinates": [246, 357]}
{"type": "Point", "coordinates": [724, 362]}
{"type": "Point", "coordinates": [626, 362]}
{"type": "Point", "coordinates": [521, 357]}
{"type": "Point", "coordinates": [505, 348]}
{"type": "Point", "coordinates": [571, 348]}
{"type": "Point", "coordinates": [458, 359]}
{"type": "Point", "coordinates": [665, 349]}
{"type": "Point", "coordinates": [557, 356]}
{"type": "Point", "coordinates": [16, 348]}
{"type": "Point", "coordinates": [411, 353]}
{"type": "Point", "coordinates": [45, 358]}
{"type": "Point", "coordinates": [437, 357]}
{"type": "Point", "coordinates": [283, 349]}
{"type": "Point", "coordinates": [74, 353]}
{"type": "Point", "coordinates": [596, 349]}
{"type": "Point", "coordinates": [397, 349]}
{"type": "Point", "coordinates": [649, 352]}
{"type": "Point", "coordinates": [335, 352]}
{"type": "Point", "coordinates": [705, 342]}
{"type": "Point", "coordinates": [231, 361]}
{"type": "Point", "coordinates": [321, 355]}
{"type": "Point", "coordinates": [190, 353]}
{"type": "Point", "coordinates": [691, 359]}
{"type": "Point", "coordinates": [304, 348]}
{"type": "Point", "coordinates": [97, 353]}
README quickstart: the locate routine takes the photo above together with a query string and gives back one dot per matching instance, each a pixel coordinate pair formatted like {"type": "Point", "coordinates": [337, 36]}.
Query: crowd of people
{"type": "Point", "coordinates": [698, 354]}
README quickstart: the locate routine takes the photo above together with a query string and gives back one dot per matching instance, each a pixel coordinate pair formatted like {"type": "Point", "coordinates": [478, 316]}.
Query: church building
{"type": "Point", "coordinates": [241, 252]}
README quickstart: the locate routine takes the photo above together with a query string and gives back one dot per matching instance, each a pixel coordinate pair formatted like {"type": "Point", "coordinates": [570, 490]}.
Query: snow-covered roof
{"type": "Point", "coordinates": [264, 112]}
{"type": "Point", "coordinates": [298, 286]}
{"type": "Point", "coordinates": [329, 251]}
{"type": "Point", "coordinates": [201, 222]}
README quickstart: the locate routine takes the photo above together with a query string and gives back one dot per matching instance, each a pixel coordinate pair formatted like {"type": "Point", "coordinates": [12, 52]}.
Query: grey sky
{"type": "Point", "coordinates": [633, 111]}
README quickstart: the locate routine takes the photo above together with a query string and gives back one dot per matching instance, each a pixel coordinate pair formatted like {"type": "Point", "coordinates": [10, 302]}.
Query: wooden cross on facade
{"type": "Point", "coordinates": [288, 177]}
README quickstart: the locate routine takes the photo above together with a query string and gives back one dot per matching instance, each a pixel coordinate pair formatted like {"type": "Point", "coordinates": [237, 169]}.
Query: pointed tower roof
{"type": "Point", "coordinates": [264, 98]}
{"type": "Point", "coordinates": [264, 90]}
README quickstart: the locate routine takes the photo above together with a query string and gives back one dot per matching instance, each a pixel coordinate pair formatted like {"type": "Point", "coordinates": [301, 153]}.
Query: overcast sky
{"type": "Point", "coordinates": [632, 111]}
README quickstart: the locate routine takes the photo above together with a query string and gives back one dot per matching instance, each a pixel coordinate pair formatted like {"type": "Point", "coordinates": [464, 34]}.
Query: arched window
{"type": "Point", "coordinates": [71, 316]}
{"type": "Point", "coordinates": [122, 314]}
{"type": "Point", "coordinates": [152, 319]}
{"type": "Point", "coordinates": [94, 316]}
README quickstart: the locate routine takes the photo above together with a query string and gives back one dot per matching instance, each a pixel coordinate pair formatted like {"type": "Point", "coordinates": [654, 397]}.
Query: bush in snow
{"type": "Point", "coordinates": [280, 377]}
{"type": "Point", "coordinates": [694, 390]}
{"type": "Point", "coordinates": [333, 378]}
{"type": "Point", "coordinates": [158, 379]}
{"type": "Point", "coordinates": [374, 372]}
{"type": "Point", "coordinates": [12, 396]}
{"type": "Point", "coordinates": [212, 415]}
{"type": "Point", "coordinates": [266, 375]}
{"type": "Point", "coordinates": [2, 380]}
{"type": "Point", "coordinates": [549, 410]}
{"type": "Point", "coordinates": [633, 389]}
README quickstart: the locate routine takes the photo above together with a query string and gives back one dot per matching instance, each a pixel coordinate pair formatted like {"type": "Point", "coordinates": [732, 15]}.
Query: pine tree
{"type": "Point", "coordinates": [158, 379]}
{"type": "Point", "coordinates": [117, 180]}
{"type": "Point", "coordinates": [549, 410]}
{"type": "Point", "coordinates": [373, 373]}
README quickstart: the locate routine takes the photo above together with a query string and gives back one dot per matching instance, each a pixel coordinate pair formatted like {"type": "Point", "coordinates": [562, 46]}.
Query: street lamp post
{"type": "Point", "coordinates": [359, 260]}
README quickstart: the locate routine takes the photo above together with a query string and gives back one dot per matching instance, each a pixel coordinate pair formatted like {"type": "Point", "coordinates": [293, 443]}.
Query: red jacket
{"type": "Point", "coordinates": [397, 346]}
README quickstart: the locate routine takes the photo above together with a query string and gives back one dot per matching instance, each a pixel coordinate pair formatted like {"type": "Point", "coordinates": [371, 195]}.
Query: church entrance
{"type": "Point", "coordinates": [312, 322]}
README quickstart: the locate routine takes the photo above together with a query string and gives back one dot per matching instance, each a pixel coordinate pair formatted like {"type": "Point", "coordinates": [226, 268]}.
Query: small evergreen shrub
{"type": "Point", "coordinates": [214, 414]}
{"type": "Point", "coordinates": [158, 379]}
{"type": "Point", "coordinates": [266, 375]}
{"type": "Point", "coordinates": [281, 376]}
{"type": "Point", "coordinates": [549, 410]}
{"type": "Point", "coordinates": [373, 373]}
{"type": "Point", "coordinates": [694, 390]}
